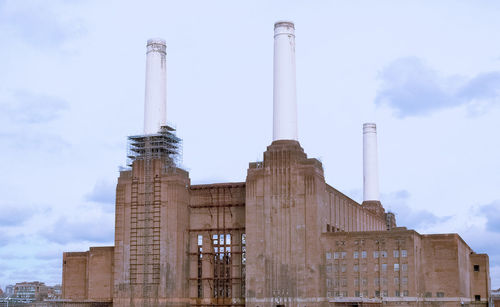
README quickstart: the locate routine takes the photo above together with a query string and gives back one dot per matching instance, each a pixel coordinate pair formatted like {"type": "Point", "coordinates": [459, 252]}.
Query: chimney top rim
{"type": "Point", "coordinates": [281, 23]}
{"type": "Point", "coordinates": [157, 41]}
{"type": "Point", "coordinates": [369, 128]}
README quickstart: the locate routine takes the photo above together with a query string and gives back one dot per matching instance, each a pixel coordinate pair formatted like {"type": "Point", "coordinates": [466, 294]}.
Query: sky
{"type": "Point", "coordinates": [72, 89]}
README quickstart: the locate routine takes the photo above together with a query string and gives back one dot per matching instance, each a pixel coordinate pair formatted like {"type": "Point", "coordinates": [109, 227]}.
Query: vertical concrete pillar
{"type": "Point", "coordinates": [236, 264]}
{"type": "Point", "coordinates": [207, 268]}
{"type": "Point", "coordinates": [284, 94]}
{"type": "Point", "coordinates": [370, 163]}
{"type": "Point", "coordinates": [155, 100]}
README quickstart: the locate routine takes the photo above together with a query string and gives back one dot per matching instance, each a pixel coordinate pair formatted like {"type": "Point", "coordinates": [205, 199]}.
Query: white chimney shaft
{"type": "Point", "coordinates": [155, 101]}
{"type": "Point", "coordinates": [370, 163]}
{"type": "Point", "coordinates": [284, 92]}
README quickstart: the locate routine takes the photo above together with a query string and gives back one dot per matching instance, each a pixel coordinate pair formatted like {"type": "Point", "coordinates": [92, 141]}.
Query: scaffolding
{"type": "Point", "coordinates": [164, 145]}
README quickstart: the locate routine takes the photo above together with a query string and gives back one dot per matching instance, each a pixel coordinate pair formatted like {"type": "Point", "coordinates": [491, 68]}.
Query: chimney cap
{"type": "Point", "coordinates": [369, 127]}
{"type": "Point", "coordinates": [284, 27]}
{"type": "Point", "coordinates": [284, 23]}
{"type": "Point", "coordinates": [157, 41]}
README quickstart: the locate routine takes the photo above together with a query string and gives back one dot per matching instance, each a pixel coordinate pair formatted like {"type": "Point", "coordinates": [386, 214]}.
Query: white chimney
{"type": "Point", "coordinates": [370, 163]}
{"type": "Point", "coordinates": [284, 92]}
{"type": "Point", "coordinates": [155, 102]}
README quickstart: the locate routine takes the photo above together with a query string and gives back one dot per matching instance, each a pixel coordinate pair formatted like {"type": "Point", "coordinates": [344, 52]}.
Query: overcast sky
{"type": "Point", "coordinates": [72, 89]}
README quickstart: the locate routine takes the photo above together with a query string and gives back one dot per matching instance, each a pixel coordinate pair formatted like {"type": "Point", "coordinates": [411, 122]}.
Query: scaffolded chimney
{"type": "Point", "coordinates": [155, 102]}
{"type": "Point", "coordinates": [284, 94]}
{"type": "Point", "coordinates": [370, 163]}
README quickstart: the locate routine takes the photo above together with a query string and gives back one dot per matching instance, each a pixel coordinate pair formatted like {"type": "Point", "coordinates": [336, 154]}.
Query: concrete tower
{"type": "Point", "coordinates": [283, 206]}
{"type": "Point", "coordinates": [152, 206]}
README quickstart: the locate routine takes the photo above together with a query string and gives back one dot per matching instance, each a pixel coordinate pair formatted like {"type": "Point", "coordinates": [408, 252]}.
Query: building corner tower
{"type": "Point", "coordinates": [152, 205]}
{"type": "Point", "coordinates": [285, 205]}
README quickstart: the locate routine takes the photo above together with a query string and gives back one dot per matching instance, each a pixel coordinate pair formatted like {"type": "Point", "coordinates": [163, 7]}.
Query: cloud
{"type": "Point", "coordinates": [93, 228]}
{"type": "Point", "coordinates": [36, 140]}
{"type": "Point", "coordinates": [23, 107]}
{"type": "Point", "coordinates": [409, 217]}
{"type": "Point", "coordinates": [4, 239]}
{"type": "Point", "coordinates": [103, 192]}
{"type": "Point", "coordinates": [412, 88]}
{"type": "Point", "coordinates": [23, 121]}
{"type": "Point", "coordinates": [36, 23]}
{"type": "Point", "coordinates": [13, 215]}
{"type": "Point", "coordinates": [492, 214]}
{"type": "Point", "coordinates": [483, 86]}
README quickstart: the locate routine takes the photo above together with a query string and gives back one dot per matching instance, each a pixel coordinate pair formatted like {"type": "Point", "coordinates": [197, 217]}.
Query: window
{"type": "Point", "coordinates": [329, 293]}
{"type": "Point", "coordinates": [376, 281]}
{"type": "Point", "coordinates": [329, 268]}
{"type": "Point", "coordinates": [383, 254]}
{"type": "Point", "coordinates": [396, 254]}
{"type": "Point", "coordinates": [363, 254]}
{"type": "Point", "coordinates": [221, 264]}
{"type": "Point", "coordinates": [439, 294]}
{"type": "Point", "coordinates": [342, 268]}
{"type": "Point", "coordinates": [200, 266]}
{"type": "Point", "coordinates": [343, 255]}
{"type": "Point", "coordinates": [397, 293]}
{"type": "Point", "coordinates": [404, 253]}
{"type": "Point", "coordinates": [357, 294]}
{"type": "Point", "coordinates": [337, 293]}
{"type": "Point", "coordinates": [404, 280]}
{"type": "Point", "coordinates": [364, 282]}
{"type": "Point", "coordinates": [328, 255]}
{"type": "Point", "coordinates": [476, 267]}
{"type": "Point", "coordinates": [404, 267]}
{"type": "Point", "coordinates": [384, 267]}
{"type": "Point", "coordinates": [356, 268]}
{"type": "Point", "coordinates": [356, 254]}
{"type": "Point", "coordinates": [356, 282]}
{"type": "Point", "coordinates": [376, 268]}
{"type": "Point", "coordinates": [336, 255]}
{"type": "Point", "coordinates": [328, 283]}
{"type": "Point", "coordinates": [405, 293]}
{"type": "Point", "coordinates": [396, 281]}
{"type": "Point", "coordinates": [428, 294]}
{"type": "Point", "coordinates": [343, 282]}
{"type": "Point", "coordinates": [477, 298]}
{"type": "Point", "coordinates": [377, 293]}
{"type": "Point", "coordinates": [375, 254]}
{"type": "Point", "coordinates": [384, 293]}
{"type": "Point", "coordinates": [396, 267]}
{"type": "Point", "coordinates": [344, 294]}
{"type": "Point", "coordinates": [365, 293]}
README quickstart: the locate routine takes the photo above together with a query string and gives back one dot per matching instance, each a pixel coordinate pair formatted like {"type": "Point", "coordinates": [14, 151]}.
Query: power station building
{"type": "Point", "coordinates": [284, 237]}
